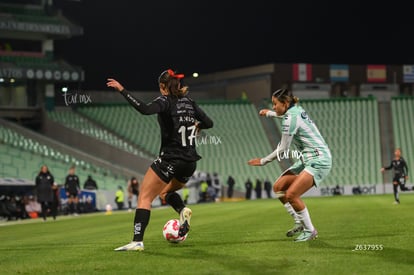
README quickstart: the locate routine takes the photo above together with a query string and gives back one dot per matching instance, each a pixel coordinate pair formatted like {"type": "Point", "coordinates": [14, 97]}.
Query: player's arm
{"type": "Point", "coordinates": [139, 105]}
{"type": "Point", "coordinates": [204, 121]}
{"type": "Point", "coordinates": [268, 113]}
{"type": "Point", "coordinates": [387, 167]}
{"type": "Point", "coordinates": [145, 109]}
{"type": "Point", "coordinates": [283, 145]}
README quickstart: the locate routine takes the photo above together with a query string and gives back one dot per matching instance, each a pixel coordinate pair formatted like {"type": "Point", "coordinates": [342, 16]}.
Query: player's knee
{"type": "Point", "coordinates": [290, 196]}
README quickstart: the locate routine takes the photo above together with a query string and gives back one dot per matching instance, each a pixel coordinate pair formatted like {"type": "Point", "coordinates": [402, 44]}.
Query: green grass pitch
{"type": "Point", "coordinates": [245, 237]}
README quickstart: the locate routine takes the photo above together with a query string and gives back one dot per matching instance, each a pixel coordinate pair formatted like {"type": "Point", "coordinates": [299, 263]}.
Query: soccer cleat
{"type": "Point", "coordinates": [132, 246]}
{"type": "Point", "coordinates": [185, 216]}
{"type": "Point", "coordinates": [307, 235]}
{"type": "Point", "coordinates": [297, 228]}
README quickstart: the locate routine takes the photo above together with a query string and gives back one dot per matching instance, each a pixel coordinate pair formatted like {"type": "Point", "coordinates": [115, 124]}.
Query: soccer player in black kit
{"type": "Point", "coordinates": [179, 118]}
{"type": "Point", "coordinates": [400, 172]}
{"type": "Point", "coordinates": [72, 188]}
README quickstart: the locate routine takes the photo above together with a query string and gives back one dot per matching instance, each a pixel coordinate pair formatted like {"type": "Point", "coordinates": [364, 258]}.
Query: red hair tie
{"type": "Point", "coordinates": [171, 73]}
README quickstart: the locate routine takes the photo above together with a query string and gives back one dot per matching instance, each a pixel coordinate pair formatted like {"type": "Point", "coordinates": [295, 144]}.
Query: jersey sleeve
{"type": "Point", "coordinates": [288, 131]}
{"type": "Point", "coordinates": [283, 145]}
{"type": "Point", "coordinates": [405, 167]}
{"type": "Point", "coordinates": [154, 107]}
{"type": "Point", "coordinates": [273, 114]}
{"type": "Point", "coordinates": [388, 167]}
{"type": "Point", "coordinates": [205, 122]}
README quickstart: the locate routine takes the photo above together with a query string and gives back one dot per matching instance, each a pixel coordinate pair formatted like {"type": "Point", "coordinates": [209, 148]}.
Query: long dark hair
{"type": "Point", "coordinates": [41, 168]}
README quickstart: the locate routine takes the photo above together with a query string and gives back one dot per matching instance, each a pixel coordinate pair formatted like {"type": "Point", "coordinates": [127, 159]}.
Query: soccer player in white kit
{"type": "Point", "coordinates": [314, 161]}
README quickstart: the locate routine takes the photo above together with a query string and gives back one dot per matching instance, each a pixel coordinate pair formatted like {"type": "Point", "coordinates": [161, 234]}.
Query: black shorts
{"type": "Point", "coordinates": [169, 169]}
{"type": "Point", "coordinates": [397, 178]}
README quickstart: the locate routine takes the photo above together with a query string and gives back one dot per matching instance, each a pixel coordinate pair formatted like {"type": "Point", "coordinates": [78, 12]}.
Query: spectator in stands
{"type": "Point", "coordinates": [203, 191]}
{"type": "Point", "coordinates": [211, 193]}
{"type": "Point", "coordinates": [72, 188]}
{"type": "Point", "coordinates": [32, 207]}
{"type": "Point", "coordinates": [312, 166]}
{"type": "Point", "coordinates": [180, 119]}
{"type": "Point", "coordinates": [119, 198]}
{"type": "Point", "coordinates": [258, 189]}
{"type": "Point", "coordinates": [400, 174]}
{"type": "Point", "coordinates": [215, 182]}
{"type": "Point", "coordinates": [230, 186]}
{"type": "Point", "coordinates": [337, 190]}
{"type": "Point", "coordinates": [90, 184]}
{"type": "Point", "coordinates": [13, 207]}
{"type": "Point", "coordinates": [44, 189]}
{"type": "Point", "coordinates": [248, 185]}
{"type": "Point", "coordinates": [268, 188]}
{"type": "Point", "coordinates": [133, 190]}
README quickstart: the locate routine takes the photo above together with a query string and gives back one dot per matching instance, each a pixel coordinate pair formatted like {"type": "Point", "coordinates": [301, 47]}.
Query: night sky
{"type": "Point", "coordinates": [133, 41]}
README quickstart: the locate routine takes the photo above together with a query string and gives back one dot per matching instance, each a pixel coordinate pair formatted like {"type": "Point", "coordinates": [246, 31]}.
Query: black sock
{"type": "Point", "coordinates": [129, 204]}
{"type": "Point", "coordinates": [141, 221]}
{"type": "Point", "coordinates": [175, 201]}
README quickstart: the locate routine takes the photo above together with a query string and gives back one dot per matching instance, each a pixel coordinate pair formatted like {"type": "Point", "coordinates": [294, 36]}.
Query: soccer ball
{"type": "Point", "coordinates": [170, 231]}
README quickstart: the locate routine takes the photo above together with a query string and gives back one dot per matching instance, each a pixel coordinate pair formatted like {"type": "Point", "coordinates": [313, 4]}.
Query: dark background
{"type": "Point", "coordinates": [134, 41]}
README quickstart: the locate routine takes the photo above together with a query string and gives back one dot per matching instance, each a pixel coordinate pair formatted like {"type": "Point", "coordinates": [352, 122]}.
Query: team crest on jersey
{"type": "Point", "coordinates": [304, 115]}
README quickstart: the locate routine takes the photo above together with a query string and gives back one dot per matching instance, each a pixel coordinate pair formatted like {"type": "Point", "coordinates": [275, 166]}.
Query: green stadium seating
{"type": "Point", "coordinates": [402, 109]}
{"type": "Point", "coordinates": [22, 157]}
{"type": "Point", "coordinates": [85, 126]}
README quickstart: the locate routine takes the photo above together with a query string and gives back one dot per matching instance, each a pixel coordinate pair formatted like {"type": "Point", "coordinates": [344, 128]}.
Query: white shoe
{"type": "Point", "coordinates": [185, 217]}
{"type": "Point", "coordinates": [307, 235]}
{"type": "Point", "coordinates": [132, 246]}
